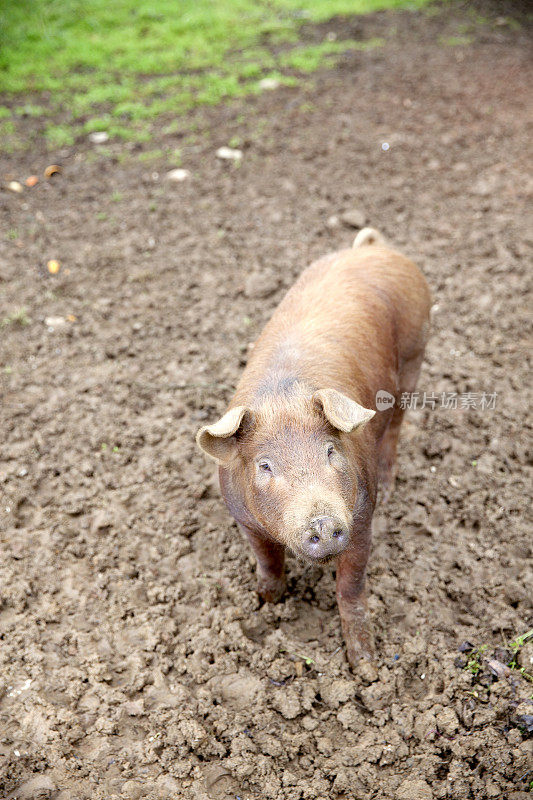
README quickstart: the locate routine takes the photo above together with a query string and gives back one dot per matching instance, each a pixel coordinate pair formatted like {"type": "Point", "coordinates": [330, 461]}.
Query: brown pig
{"type": "Point", "coordinates": [301, 450]}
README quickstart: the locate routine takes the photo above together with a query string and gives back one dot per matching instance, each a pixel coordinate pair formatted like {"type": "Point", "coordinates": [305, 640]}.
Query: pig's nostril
{"type": "Point", "coordinates": [314, 538]}
{"type": "Point", "coordinates": [338, 533]}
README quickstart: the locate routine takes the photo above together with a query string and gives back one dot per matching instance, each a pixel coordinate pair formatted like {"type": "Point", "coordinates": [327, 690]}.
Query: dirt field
{"type": "Point", "coordinates": [136, 660]}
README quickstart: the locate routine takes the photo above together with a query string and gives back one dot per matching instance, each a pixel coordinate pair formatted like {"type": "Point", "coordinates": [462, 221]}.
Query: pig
{"type": "Point", "coordinates": [301, 449]}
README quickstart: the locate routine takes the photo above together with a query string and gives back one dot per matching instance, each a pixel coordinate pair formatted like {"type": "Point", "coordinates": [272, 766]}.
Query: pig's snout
{"type": "Point", "coordinates": [325, 538]}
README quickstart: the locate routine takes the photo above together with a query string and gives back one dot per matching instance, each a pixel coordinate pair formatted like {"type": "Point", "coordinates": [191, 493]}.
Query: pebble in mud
{"type": "Point", "coordinates": [229, 154]}
{"type": "Point", "coordinates": [178, 175]}
{"type": "Point", "coordinates": [354, 218]}
{"type": "Point", "coordinates": [99, 137]}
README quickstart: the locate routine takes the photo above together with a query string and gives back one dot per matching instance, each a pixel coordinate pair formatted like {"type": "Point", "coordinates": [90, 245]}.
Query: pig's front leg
{"type": "Point", "coordinates": [351, 600]}
{"type": "Point", "coordinates": [270, 566]}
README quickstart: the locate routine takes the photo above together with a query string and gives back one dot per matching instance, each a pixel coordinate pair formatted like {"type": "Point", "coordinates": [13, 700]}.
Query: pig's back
{"type": "Point", "coordinates": [353, 286]}
{"type": "Point", "coordinates": [349, 315]}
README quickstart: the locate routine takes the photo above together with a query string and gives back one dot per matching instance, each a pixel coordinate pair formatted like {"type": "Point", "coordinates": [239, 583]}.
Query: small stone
{"type": "Point", "coordinates": [268, 83]}
{"type": "Point", "coordinates": [414, 790]}
{"type": "Point", "coordinates": [333, 222]}
{"type": "Point", "coordinates": [354, 218]}
{"type": "Point", "coordinates": [98, 137]}
{"type": "Point", "coordinates": [178, 175]}
{"type": "Point", "coordinates": [15, 186]}
{"type": "Point", "coordinates": [229, 154]}
{"type": "Point", "coordinates": [55, 322]}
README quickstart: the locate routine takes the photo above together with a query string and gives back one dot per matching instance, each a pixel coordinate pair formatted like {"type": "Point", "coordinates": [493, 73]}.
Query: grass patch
{"type": "Point", "coordinates": [476, 657]}
{"type": "Point", "coordinates": [118, 66]}
{"type": "Point", "coordinates": [475, 660]}
{"type": "Point", "coordinates": [18, 317]}
{"type": "Point", "coordinates": [515, 648]}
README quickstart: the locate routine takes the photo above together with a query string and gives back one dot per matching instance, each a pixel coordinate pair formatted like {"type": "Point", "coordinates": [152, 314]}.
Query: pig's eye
{"type": "Point", "coordinates": [264, 466]}
{"type": "Point", "coordinates": [331, 449]}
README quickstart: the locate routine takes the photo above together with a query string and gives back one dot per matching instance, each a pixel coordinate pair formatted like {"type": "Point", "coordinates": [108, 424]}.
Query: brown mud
{"type": "Point", "coordinates": [136, 660]}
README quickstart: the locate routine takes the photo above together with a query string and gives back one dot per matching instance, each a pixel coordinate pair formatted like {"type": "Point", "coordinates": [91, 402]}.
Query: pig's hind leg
{"type": "Point", "coordinates": [270, 566]}
{"type": "Point", "coordinates": [387, 464]}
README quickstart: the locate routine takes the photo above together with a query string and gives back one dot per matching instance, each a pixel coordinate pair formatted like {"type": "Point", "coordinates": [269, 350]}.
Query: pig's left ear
{"type": "Point", "coordinates": [344, 414]}
{"type": "Point", "coordinates": [217, 440]}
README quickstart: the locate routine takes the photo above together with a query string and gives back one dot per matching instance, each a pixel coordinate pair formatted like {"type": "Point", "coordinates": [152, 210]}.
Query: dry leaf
{"type": "Point", "coordinates": [498, 669]}
{"type": "Point", "coordinates": [53, 169]}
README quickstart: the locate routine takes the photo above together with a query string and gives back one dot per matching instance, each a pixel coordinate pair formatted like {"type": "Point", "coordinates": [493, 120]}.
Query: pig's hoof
{"type": "Point", "coordinates": [270, 591]}
{"type": "Point", "coordinates": [360, 658]}
{"type": "Point", "coordinates": [361, 651]}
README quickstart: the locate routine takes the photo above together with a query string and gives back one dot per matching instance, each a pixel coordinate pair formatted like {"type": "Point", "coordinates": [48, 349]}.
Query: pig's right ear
{"type": "Point", "coordinates": [218, 440]}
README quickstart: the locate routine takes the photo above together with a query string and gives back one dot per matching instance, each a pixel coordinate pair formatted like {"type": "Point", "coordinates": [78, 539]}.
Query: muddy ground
{"type": "Point", "coordinates": [136, 660]}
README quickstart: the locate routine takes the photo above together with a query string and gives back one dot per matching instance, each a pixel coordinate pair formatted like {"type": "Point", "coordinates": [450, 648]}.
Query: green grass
{"type": "Point", "coordinates": [476, 656]}
{"type": "Point", "coordinates": [76, 66]}
{"type": "Point", "coordinates": [515, 647]}
{"type": "Point", "coordinates": [17, 317]}
{"type": "Point", "coordinates": [475, 659]}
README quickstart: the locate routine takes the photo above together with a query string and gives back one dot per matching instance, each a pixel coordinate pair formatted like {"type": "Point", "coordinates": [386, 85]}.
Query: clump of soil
{"type": "Point", "coordinates": [136, 660]}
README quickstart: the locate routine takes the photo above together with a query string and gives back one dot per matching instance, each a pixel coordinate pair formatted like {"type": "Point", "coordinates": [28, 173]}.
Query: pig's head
{"type": "Point", "coordinates": [292, 460]}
